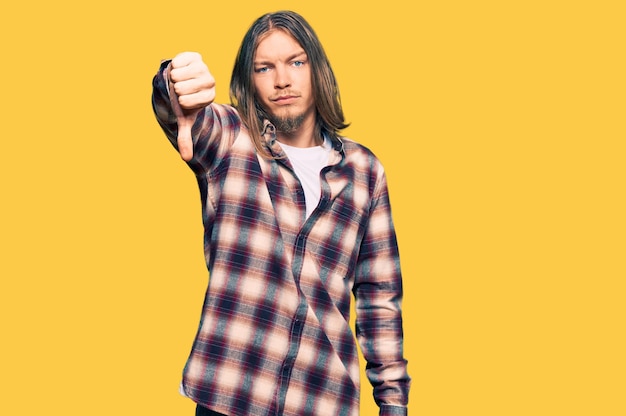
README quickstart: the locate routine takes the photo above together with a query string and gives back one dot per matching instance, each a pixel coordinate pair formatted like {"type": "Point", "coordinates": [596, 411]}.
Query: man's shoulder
{"type": "Point", "coordinates": [354, 149]}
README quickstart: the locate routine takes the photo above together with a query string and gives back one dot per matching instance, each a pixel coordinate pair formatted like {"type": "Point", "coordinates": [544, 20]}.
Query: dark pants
{"type": "Point", "coordinates": [203, 411]}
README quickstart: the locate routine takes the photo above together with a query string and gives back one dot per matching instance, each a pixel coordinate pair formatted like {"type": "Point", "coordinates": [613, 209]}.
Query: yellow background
{"type": "Point", "coordinates": [501, 126]}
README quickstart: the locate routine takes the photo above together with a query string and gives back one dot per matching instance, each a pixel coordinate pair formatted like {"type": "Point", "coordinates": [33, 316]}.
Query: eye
{"type": "Point", "coordinates": [298, 63]}
{"type": "Point", "coordinates": [261, 70]}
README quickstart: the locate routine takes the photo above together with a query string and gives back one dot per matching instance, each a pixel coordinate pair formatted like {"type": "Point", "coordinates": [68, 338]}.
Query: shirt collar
{"type": "Point", "coordinates": [269, 134]}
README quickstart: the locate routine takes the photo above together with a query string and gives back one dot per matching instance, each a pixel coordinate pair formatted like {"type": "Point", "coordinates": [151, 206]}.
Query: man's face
{"type": "Point", "coordinates": [282, 79]}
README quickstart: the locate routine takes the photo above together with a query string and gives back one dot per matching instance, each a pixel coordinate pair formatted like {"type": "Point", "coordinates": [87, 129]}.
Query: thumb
{"type": "Point", "coordinates": [185, 143]}
{"type": "Point", "coordinates": [185, 120]}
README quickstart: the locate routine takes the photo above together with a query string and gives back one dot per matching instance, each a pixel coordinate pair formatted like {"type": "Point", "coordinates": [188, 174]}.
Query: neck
{"type": "Point", "coordinates": [296, 140]}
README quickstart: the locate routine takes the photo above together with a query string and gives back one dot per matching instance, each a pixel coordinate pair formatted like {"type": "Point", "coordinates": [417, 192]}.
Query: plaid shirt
{"type": "Point", "coordinates": [274, 336]}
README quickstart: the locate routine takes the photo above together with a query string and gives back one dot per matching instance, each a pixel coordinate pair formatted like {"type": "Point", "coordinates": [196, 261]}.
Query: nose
{"type": "Point", "coordinates": [281, 79]}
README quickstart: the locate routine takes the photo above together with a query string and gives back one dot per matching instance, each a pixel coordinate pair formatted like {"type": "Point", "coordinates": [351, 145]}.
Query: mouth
{"type": "Point", "coordinates": [284, 99]}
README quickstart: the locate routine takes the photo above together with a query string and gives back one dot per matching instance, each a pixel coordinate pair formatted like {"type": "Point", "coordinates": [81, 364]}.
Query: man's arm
{"type": "Point", "coordinates": [378, 294]}
{"type": "Point", "coordinates": [182, 100]}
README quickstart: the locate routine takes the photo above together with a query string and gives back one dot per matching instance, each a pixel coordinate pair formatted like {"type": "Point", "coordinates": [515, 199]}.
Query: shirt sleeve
{"type": "Point", "coordinates": [378, 294]}
{"type": "Point", "coordinates": [214, 130]}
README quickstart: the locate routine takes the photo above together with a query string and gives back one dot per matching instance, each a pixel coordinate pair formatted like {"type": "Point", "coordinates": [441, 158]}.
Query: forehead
{"type": "Point", "coordinates": [275, 44]}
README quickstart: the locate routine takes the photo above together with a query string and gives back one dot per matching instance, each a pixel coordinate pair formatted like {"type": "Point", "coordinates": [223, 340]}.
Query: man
{"type": "Point", "coordinates": [296, 219]}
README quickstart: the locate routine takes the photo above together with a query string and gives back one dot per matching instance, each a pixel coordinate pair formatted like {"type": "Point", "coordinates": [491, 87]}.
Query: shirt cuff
{"type": "Point", "coordinates": [386, 410]}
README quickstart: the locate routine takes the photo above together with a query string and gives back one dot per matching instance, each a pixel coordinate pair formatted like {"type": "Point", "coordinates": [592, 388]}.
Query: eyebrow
{"type": "Point", "coordinates": [289, 58]}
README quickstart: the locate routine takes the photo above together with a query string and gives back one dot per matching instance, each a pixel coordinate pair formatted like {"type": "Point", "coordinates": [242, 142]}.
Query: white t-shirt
{"type": "Point", "coordinates": [307, 162]}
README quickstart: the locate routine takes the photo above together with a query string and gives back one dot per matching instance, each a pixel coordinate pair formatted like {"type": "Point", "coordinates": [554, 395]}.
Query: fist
{"type": "Point", "coordinates": [191, 81]}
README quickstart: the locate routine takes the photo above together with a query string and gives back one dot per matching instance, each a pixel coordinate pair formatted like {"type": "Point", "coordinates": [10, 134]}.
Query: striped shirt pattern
{"type": "Point", "coordinates": [274, 336]}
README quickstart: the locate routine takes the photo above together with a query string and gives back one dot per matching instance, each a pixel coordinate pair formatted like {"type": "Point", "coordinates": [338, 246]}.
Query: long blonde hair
{"type": "Point", "coordinates": [329, 113]}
